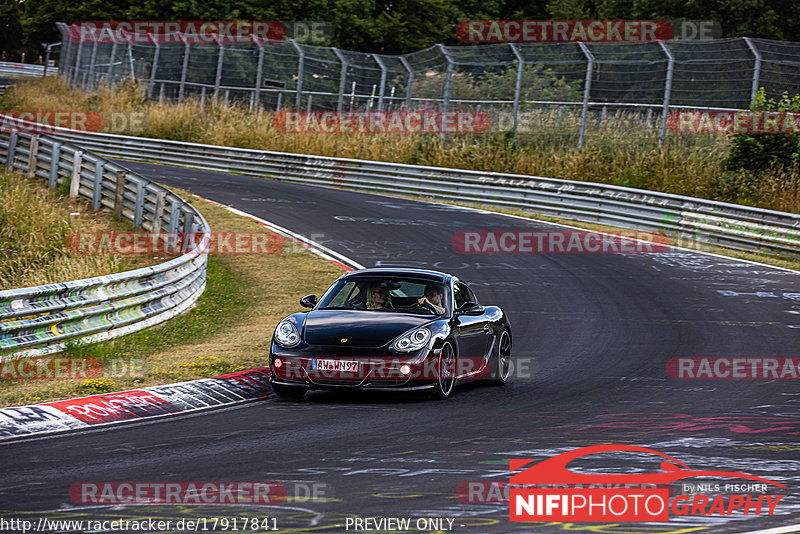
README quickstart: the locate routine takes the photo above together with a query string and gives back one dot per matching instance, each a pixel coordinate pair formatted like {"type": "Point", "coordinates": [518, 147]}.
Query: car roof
{"type": "Point", "coordinates": [399, 272]}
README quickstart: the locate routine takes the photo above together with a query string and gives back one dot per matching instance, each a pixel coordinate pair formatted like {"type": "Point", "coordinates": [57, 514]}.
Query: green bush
{"type": "Point", "coordinates": [759, 152]}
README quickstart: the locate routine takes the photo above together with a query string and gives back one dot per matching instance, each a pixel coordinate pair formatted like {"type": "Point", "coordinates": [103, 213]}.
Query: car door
{"type": "Point", "coordinates": [473, 333]}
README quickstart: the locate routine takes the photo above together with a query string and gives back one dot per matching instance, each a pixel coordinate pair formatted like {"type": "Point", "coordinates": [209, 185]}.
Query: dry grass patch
{"type": "Point", "coordinates": [229, 329]}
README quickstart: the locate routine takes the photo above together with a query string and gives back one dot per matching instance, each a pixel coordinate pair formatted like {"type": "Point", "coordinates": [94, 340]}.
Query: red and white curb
{"type": "Point", "coordinates": [136, 404]}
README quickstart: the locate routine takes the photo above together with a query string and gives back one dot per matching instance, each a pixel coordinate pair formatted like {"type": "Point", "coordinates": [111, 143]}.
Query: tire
{"type": "Point", "coordinates": [446, 372]}
{"type": "Point", "coordinates": [502, 362]}
{"type": "Point", "coordinates": [288, 392]}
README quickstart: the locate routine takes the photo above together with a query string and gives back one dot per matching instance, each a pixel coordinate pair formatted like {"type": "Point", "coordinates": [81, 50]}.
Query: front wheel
{"type": "Point", "coordinates": [502, 362]}
{"type": "Point", "coordinates": [445, 372]}
{"type": "Point", "coordinates": [288, 392]}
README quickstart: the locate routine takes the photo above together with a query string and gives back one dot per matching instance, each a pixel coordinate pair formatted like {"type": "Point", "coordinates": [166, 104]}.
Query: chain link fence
{"type": "Point", "coordinates": [572, 88]}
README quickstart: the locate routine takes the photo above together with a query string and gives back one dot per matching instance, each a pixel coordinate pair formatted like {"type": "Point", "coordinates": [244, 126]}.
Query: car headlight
{"type": "Point", "coordinates": [286, 335]}
{"type": "Point", "coordinates": [413, 340]}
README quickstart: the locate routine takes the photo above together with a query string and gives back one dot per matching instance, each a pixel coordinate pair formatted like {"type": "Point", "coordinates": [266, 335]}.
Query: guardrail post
{"type": "Point", "coordinates": [586, 90]}
{"type": "Point", "coordinates": [119, 194]}
{"type": "Point", "coordinates": [756, 69]}
{"type": "Point", "coordinates": [300, 67]}
{"type": "Point", "coordinates": [161, 196]}
{"type": "Point", "coordinates": [517, 88]}
{"type": "Point", "coordinates": [12, 147]}
{"type": "Point", "coordinates": [342, 78]}
{"type": "Point", "coordinates": [449, 77]}
{"type": "Point", "coordinates": [174, 220]}
{"type": "Point", "coordinates": [138, 207]}
{"type": "Point", "coordinates": [55, 157]}
{"type": "Point", "coordinates": [410, 86]}
{"type": "Point", "coordinates": [382, 91]}
{"type": "Point", "coordinates": [259, 73]}
{"type": "Point", "coordinates": [218, 76]}
{"type": "Point", "coordinates": [154, 68]}
{"type": "Point", "coordinates": [667, 91]}
{"type": "Point", "coordinates": [185, 67]}
{"type": "Point", "coordinates": [75, 182]}
{"type": "Point", "coordinates": [32, 161]}
{"type": "Point", "coordinates": [97, 187]}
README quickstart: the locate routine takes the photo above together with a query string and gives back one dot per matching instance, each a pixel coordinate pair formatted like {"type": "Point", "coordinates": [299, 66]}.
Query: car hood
{"type": "Point", "coordinates": [359, 327]}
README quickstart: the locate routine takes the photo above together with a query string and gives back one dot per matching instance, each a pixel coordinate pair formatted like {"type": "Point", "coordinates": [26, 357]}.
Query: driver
{"type": "Point", "coordinates": [433, 298]}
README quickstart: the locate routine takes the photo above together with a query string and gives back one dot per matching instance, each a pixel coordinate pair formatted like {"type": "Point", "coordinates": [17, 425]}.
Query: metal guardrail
{"type": "Point", "coordinates": [41, 320]}
{"type": "Point", "coordinates": [683, 219]}
{"type": "Point", "coordinates": [27, 70]}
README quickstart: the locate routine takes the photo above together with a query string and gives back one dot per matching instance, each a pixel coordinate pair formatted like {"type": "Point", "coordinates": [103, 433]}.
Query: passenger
{"type": "Point", "coordinates": [378, 297]}
{"type": "Point", "coordinates": [433, 298]}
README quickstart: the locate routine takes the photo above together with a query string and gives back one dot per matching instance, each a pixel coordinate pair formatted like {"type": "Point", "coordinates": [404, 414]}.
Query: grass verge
{"type": "Point", "coordinates": [619, 151]}
{"type": "Point", "coordinates": [35, 225]}
{"type": "Point", "coordinates": [228, 330]}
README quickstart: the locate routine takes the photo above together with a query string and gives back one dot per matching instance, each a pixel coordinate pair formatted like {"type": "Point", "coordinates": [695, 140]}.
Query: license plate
{"type": "Point", "coordinates": [334, 365]}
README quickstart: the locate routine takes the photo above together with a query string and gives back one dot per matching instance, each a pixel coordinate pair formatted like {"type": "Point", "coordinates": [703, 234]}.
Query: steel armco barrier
{"type": "Point", "coordinates": [683, 219]}
{"type": "Point", "coordinates": [26, 70]}
{"type": "Point", "coordinates": [41, 320]}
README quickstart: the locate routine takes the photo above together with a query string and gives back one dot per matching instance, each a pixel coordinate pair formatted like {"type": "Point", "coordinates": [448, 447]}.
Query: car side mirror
{"type": "Point", "coordinates": [309, 301]}
{"type": "Point", "coordinates": [470, 308]}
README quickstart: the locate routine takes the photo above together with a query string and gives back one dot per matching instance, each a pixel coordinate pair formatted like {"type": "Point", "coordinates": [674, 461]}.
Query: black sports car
{"type": "Point", "coordinates": [391, 329]}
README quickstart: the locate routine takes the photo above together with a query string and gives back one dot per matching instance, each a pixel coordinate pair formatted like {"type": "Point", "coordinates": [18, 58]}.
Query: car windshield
{"type": "Point", "coordinates": [398, 295]}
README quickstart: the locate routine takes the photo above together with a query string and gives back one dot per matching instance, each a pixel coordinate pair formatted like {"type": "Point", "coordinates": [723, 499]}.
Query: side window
{"type": "Point", "coordinates": [463, 294]}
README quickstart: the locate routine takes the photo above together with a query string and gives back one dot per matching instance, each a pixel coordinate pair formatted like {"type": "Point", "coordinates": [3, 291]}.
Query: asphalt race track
{"type": "Point", "coordinates": [592, 336]}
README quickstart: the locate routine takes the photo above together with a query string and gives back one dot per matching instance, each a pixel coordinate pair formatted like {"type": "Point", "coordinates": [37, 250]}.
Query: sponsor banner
{"type": "Point", "coordinates": [45, 122]}
{"type": "Point", "coordinates": [114, 407]}
{"type": "Point", "coordinates": [51, 368]}
{"type": "Point", "coordinates": [733, 368]}
{"type": "Point", "coordinates": [564, 31]}
{"type": "Point", "coordinates": [733, 122]}
{"type": "Point", "coordinates": [384, 122]}
{"type": "Point", "coordinates": [149, 243]}
{"type": "Point", "coordinates": [237, 493]}
{"type": "Point", "coordinates": [557, 242]}
{"type": "Point", "coordinates": [177, 32]}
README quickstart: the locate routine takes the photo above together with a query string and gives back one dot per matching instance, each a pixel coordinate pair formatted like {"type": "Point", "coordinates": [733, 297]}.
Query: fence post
{"type": "Point", "coordinates": [154, 68]}
{"type": "Point", "coordinates": [342, 78]}
{"type": "Point", "coordinates": [97, 189]}
{"type": "Point", "coordinates": [449, 78]}
{"type": "Point", "coordinates": [382, 92]}
{"type": "Point", "coordinates": [586, 90]}
{"type": "Point", "coordinates": [517, 88]}
{"type": "Point", "coordinates": [119, 194]}
{"type": "Point", "coordinates": [110, 69]}
{"type": "Point", "coordinates": [12, 148]}
{"type": "Point", "coordinates": [55, 156]}
{"type": "Point", "coordinates": [32, 160]}
{"type": "Point", "coordinates": [300, 65]}
{"type": "Point", "coordinates": [75, 183]}
{"type": "Point", "coordinates": [92, 60]}
{"type": "Point", "coordinates": [76, 69]}
{"type": "Point", "coordinates": [130, 61]}
{"type": "Point", "coordinates": [756, 69]}
{"type": "Point", "coordinates": [185, 67]}
{"type": "Point", "coordinates": [259, 72]}
{"type": "Point", "coordinates": [667, 91]}
{"type": "Point", "coordinates": [410, 87]}
{"type": "Point", "coordinates": [218, 77]}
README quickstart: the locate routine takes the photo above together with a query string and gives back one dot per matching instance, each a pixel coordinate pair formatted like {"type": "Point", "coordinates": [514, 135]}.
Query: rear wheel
{"type": "Point", "coordinates": [446, 372]}
{"type": "Point", "coordinates": [502, 362]}
{"type": "Point", "coordinates": [288, 392]}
